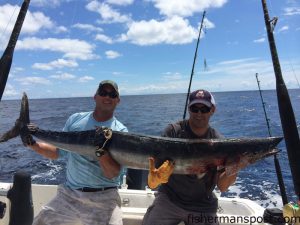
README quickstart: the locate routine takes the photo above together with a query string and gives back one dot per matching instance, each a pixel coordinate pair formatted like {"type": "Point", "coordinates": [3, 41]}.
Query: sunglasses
{"type": "Point", "coordinates": [203, 109]}
{"type": "Point", "coordinates": [112, 94]}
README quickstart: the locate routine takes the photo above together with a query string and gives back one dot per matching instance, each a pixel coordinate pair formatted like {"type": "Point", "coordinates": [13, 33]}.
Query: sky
{"type": "Point", "coordinates": [66, 47]}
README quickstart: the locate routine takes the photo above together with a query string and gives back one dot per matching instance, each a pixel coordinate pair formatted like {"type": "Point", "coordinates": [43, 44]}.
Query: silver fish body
{"type": "Point", "coordinates": [190, 156]}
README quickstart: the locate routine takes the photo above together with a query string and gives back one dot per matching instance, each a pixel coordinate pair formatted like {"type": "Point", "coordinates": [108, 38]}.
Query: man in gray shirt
{"type": "Point", "coordinates": [188, 198]}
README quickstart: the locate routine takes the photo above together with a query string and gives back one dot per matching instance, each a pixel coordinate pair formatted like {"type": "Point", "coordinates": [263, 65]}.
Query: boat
{"type": "Point", "coordinates": [136, 202]}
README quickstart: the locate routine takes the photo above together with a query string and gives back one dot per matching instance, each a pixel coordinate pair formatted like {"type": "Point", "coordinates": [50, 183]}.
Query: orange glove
{"type": "Point", "coordinates": [160, 175]}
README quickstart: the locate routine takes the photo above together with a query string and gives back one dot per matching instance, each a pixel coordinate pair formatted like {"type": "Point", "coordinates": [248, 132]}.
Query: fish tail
{"type": "Point", "coordinates": [22, 121]}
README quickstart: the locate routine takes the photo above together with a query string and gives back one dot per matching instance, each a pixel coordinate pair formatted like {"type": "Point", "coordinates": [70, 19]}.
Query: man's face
{"type": "Point", "coordinates": [200, 115]}
{"type": "Point", "coordinates": [107, 98]}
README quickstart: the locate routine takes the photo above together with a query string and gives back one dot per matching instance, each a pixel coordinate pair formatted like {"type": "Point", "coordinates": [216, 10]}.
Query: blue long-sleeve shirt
{"type": "Point", "coordinates": [84, 171]}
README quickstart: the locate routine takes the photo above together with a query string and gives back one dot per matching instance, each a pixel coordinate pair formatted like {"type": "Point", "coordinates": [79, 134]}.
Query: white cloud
{"type": "Point", "coordinates": [87, 27]}
{"type": "Point", "coordinates": [175, 30]}
{"type": "Point", "coordinates": [48, 3]}
{"type": "Point", "coordinates": [120, 2]}
{"type": "Point", "coordinates": [260, 40]}
{"type": "Point", "coordinates": [242, 71]}
{"type": "Point", "coordinates": [33, 21]}
{"type": "Point", "coordinates": [63, 76]}
{"type": "Point", "coordinates": [82, 51]}
{"type": "Point", "coordinates": [108, 14]}
{"type": "Point", "coordinates": [59, 63]}
{"type": "Point", "coordinates": [232, 42]}
{"type": "Point", "coordinates": [10, 91]}
{"type": "Point", "coordinates": [37, 20]}
{"type": "Point", "coordinates": [291, 11]}
{"type": "Point", "coordinates": [104, 38]}
{"type": "Point", "coordinates": [220, 78]}
{"type": "Point", "coordinates": [284, 28]}
{"type": "Point", "coordinates": [185, 8]}
{"type": "Point", "coordinates": [236, 61]}
{"type": "Point", "coordinates": [152, 88]}
{"type": "Point", "coordinates": [60, 29]}
{"type": "Point", "coordinates": [207, 24]}
{"type": "Point", "coordinates": [85, 79]}
{"type": "Point", "coordinates": [33, 80]}
{"type": "Point", "coordinates": [112, 54]}
{"type": "Point", "coordinates": [172, 76]}
{"type": "Point", "coordinates": [14, 71]}
{"type": "Point", "coordinates": [18, 69]}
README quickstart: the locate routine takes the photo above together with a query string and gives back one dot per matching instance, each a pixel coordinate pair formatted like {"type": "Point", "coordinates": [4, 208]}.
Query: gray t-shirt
{"type": "Point", "coordinates": [189, 191]}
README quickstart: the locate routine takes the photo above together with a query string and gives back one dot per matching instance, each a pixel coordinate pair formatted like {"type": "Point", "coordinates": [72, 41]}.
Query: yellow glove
{"type": "Point", "coordinates": [160, 175]}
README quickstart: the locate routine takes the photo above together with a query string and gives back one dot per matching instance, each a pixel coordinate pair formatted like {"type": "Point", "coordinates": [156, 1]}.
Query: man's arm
{"type": "Point", "coordinates": [225, 181]}
{"type": "Point", "coordinates": [45, 149]}
{"type": "Point", "coordinates": [111, 168]}
{"type": "Point", "coordinates": [228, 175]}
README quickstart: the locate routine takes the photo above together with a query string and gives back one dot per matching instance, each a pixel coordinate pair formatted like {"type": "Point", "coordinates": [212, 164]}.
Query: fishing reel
{"type": "Point", "coordinates": [291, 213]}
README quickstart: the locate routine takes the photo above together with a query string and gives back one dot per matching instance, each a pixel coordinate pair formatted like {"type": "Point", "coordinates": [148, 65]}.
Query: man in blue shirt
{"type": "Point", "coordinates": [89, 196]}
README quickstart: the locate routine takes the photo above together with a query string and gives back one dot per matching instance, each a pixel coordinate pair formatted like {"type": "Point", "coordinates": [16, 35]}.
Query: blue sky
{"type": "Point", "coordinates": [147, 46]}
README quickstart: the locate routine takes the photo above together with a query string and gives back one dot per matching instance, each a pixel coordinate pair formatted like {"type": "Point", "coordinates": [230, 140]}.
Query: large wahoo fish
{"type": "Point", "coordinates": [133, 150]}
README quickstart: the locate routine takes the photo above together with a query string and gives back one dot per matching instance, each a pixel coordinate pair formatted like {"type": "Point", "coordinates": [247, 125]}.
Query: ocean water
{"type": "Point", "coordinates": [239, 114]}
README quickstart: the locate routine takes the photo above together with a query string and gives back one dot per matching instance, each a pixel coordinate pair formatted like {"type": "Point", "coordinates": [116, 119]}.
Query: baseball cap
{"type": "Point", "coordinates": [111, 83]}
{"type": "Point", "coordinates": [202, 96]}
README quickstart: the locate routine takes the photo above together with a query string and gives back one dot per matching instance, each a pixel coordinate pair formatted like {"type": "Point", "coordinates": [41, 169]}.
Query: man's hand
{"type": "Point", "coordinates": [26, 136]}
{"type": "Point", "coordinates": [160, 175]}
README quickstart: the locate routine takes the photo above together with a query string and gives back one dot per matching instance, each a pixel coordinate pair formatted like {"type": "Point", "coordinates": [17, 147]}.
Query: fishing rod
{"type": "Point", "coordinates": [6, 59]}
{"type": "Point", "coordinates": [192, 73]}
{"type": "Point", "coordinates": [288, 122]}
{"type": "Point", "coordinates": [276, 161]}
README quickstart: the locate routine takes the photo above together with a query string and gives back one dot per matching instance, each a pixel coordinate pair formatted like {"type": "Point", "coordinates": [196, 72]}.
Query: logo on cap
{"type": "Point", "coordinates": [200, 94]}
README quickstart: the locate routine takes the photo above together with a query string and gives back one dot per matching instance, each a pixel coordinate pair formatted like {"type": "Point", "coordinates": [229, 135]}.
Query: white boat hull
{"type": "Point", "coordinates": [136, 202]}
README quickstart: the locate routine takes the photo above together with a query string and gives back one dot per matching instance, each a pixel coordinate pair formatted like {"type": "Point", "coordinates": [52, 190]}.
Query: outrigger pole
{"type": "Point", "coordinates": [6, 59]}
{"type": "Point", "coordinates": [276, 161]}
{"type": "Point", "coordinates": [192, 73]}
{"type": "Point", "coordinates": [288, 122]}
